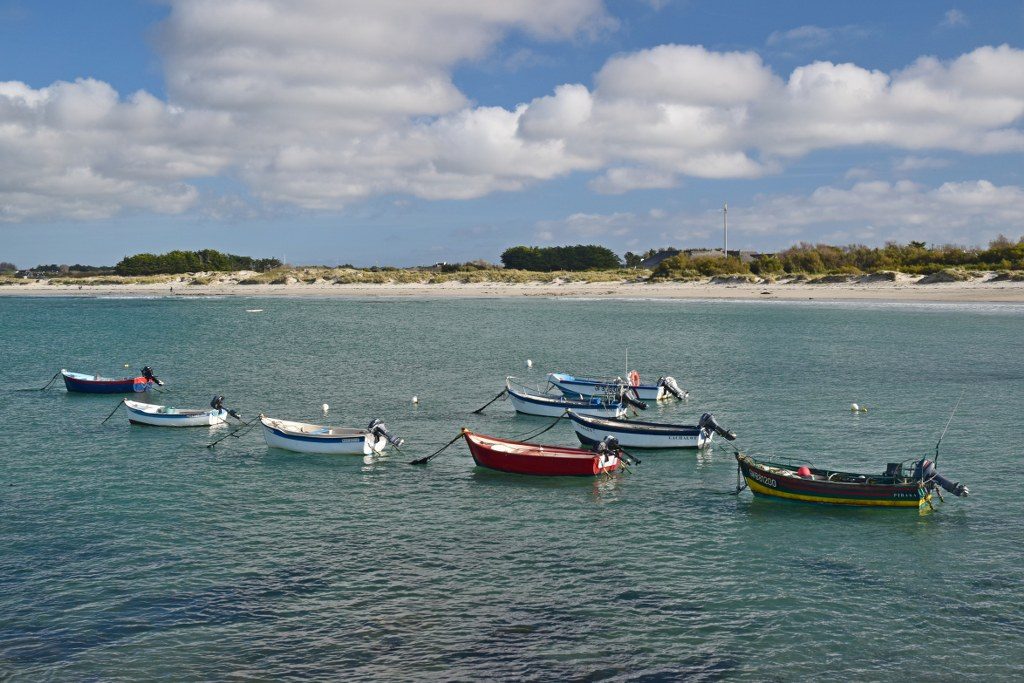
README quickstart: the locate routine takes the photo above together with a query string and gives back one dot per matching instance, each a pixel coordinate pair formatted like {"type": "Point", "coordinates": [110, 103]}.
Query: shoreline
{"type": "Point", "coordinates": [973, 291]}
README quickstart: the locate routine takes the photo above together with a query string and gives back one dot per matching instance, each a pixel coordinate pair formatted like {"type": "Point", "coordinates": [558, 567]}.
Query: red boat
{"type": "Point", "coordinates": [530, 458]}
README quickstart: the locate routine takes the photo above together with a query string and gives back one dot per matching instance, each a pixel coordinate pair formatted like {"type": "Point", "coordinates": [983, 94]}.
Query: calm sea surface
{"type": "Point", "coordinates": [133, 552]}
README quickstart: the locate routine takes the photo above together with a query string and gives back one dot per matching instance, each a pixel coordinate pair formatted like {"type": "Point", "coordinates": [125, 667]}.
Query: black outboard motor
{"type": "Point", "coordinates": [218, 404]}
{"type": "Point", "coordinates": [925, 470]}
{"type": "Point", "coordinates": [379, 429]}
{"type": "Point", "coordinates": [707, 421]}
{"type": "Point", "coordinates": [609, 444]}
{"type": "Point", "coordinates": [147, 372]}
{"type": "Point", "coordinates": [672, 387]}
{"type": "Point", "coordinates": [625, 397]}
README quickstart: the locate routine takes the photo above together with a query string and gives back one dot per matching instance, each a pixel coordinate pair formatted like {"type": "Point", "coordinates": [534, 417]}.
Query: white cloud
{"type": "Point", "coordinates": [618, 180]}
{"type": "Point", "coordinates": [915, 163]}
{"type": "Point", "coordinates": [971, 212]}
{"type": "Point", "coordinates": [318, 103]}
{"type": "Point", "coordinates": [954, 17]}
{"type": "Point", "coordinates": [810, 37]}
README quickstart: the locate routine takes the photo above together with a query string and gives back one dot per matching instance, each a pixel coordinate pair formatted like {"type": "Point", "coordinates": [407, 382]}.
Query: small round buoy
{"type": "Point", "coordinates": [415, 399]}
{"type": "Point", "coordinates": [126, 365]}
{"type": "Point", "coordinates": [529, 363]}
{"type": "Point", "coordinates": [325, 407]}
{"type": "Point", "coordinates": [854, 407]}
{"type": "Point", "coordinates": [804, 471]}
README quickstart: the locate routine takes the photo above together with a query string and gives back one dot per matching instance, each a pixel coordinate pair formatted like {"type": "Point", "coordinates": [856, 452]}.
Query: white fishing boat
{"type": "Point", "coordinates": [635, 434]}
{"type": "Point", "coordinates": [531, 402]}
{"type": "Point", "coordinates": [164, 416]}
{"type": "Point", "coordinates": [302, 437]}
{"type": "Point", "coordinates": [576, 387]}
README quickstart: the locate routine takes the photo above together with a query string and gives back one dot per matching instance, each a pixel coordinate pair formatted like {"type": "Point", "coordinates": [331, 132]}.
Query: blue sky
{"type": "Point", "coordinates": [410, 133]}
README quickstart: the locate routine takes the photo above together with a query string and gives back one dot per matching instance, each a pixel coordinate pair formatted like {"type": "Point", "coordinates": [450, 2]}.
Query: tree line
{"type": "Point", "coordinates": [175, 262]}
{"type": "Point", "coordinates": [547, 259]}
{"type": "Point", "coordinates": [816, 259]}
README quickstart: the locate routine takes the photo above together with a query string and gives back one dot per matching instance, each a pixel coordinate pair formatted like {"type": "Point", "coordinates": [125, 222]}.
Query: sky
{"type": "Point", "coordinates": [401, 132]}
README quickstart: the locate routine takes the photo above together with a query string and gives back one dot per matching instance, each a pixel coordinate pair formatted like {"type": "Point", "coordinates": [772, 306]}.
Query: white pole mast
{"type": "Point", "coordinates": [725, 228]}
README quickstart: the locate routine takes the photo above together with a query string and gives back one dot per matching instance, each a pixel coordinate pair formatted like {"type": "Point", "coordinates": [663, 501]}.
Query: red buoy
{"type": "Point", "coordinates": [804, 472]}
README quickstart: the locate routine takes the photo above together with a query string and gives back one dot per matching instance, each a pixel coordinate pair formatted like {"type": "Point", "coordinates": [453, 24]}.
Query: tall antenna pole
{"type": "Point", "coordinates": [725, 228]}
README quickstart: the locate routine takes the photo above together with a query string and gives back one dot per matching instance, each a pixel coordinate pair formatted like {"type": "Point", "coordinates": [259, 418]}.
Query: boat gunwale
{"type": "Point", "coordinates": [352, 433]}
{"type": "Point", "coordinates": [557, 452]}
{"type": "Point", "coordinates": [564, 378]}
{"type": "Point", "coordinates": [654, 428]}
{"type": "Point", "coordinates": [533, 396]}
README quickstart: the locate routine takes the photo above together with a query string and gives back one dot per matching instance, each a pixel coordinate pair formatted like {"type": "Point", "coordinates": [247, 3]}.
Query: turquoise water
{"type": "Point", "coordinates": [133, 552]}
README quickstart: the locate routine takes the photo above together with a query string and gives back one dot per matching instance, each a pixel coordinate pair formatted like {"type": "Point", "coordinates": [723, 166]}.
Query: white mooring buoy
{"type": "Point", "coordinates": [415, 399]}
{"type": "Point", "coordinates": [529, 363]}
{"type": "Point", "coordinates": [854, 407]}
{"type": "Point", "coordinates": [325, 407]}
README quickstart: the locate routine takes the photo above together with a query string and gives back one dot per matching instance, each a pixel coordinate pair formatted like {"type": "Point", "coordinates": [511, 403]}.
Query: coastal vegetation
{"type": "Point", "coordinates": [571, 258]}
{"type": "Point", "coordinates": [914, 258]}
{"type": "Point", "coordinates": [206, 260]}
{"type": "Point", "coordinates": [812, 263]}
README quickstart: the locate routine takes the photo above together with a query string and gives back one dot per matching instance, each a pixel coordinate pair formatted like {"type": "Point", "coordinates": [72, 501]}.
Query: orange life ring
{"type": "Point", "coordinates": [634, 378]}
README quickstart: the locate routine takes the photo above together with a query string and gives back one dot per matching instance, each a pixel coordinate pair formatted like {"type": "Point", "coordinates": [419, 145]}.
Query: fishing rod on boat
{"type": "Point", "coordinates": [119, 404]}
{"type": "Point", "coordinates": [948, 422]}
{"type": "Point", "coordinates": [481, 409]}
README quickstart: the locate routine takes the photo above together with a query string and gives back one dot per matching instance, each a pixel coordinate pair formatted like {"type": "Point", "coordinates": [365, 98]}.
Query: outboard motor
{"type": "Point", "coordinates": [707, 421]}
{"type": "Point", "coordinates": [672, 387]}
{"type": "Point", "coordinates": [147, 372]}
{"type": "Point", "coordinates": [609, 444]}
{"type": "Point", "coordinates": [217, 403]}
{"type": "Point", "coordinates": [925, 470]}
{"type": "Point", "coordinates": [626, 397]}
{"type": "Point", "coordinates": [379, 429]}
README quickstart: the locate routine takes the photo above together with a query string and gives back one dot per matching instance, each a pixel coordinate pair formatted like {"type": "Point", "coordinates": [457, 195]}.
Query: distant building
{"type": "Point", "coordinates": [652, 262]}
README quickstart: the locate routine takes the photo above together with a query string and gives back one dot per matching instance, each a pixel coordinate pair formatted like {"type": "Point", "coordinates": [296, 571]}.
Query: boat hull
{"type": "Point", "coordinates": [556, 407]}
{"type": "Point", "coordinates": [639, 434]}
{"type": "Point", "coordinates": [775, 481]}
{"type": "Point", "coordinates": [148, 414]}
{"type": "Point", "coordinates": [573, 387]}
{"type": "Point", "coordinates": [93, 384]}
{"type": "Point", "coordinates": [325, 444]}
{"type": "Point", "coordinates": [533, 459]}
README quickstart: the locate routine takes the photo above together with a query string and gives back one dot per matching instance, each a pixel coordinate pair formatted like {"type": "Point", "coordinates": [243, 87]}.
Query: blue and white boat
{"type": "Point", "coordinates": [575, 387]}
{"type": "Point", "coordinates": [531, 402]}
{"type": "Point", "coordinates": [301, 437]}
{"type": "Point", "coordinates": [163, 416]}
{"type": "Point", "coordinates": [632, 434]}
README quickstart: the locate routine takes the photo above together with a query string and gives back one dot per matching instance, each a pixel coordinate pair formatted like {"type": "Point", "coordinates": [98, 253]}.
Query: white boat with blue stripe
{"type": "Point", "coordinates": [531, 402]}
{"type": "Point", "coordinates": [301, 437]}
{"type": "Point", "coordinates": [164, 416]}
{"type": "Point", "coordinates": [635, 434]}
{"type": "Point", "coordinates": [576, 387]}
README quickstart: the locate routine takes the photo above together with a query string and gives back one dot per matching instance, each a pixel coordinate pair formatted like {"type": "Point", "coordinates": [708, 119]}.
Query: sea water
{"type": "Point", "coordinates": [132, 552]}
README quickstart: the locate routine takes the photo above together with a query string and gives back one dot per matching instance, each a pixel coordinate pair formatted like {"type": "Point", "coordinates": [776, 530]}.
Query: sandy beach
{"type": "Point", "coordinates": [904, 288]}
